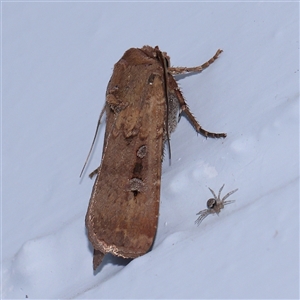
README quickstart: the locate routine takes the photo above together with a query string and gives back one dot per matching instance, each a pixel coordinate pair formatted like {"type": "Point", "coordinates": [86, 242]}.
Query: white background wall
{"type": "Point", "coordinates": [57, 58]}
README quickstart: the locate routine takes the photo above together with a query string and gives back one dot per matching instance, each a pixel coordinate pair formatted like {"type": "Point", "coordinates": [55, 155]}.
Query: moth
{"type": "Point", "coordinates": [143, 104]}
{"type": "Point", "coordinates": [214, 205]}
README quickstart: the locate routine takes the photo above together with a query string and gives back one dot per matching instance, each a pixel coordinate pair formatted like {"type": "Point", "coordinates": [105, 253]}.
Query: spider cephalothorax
{"type": "Point", "coordinates": [214, 205]}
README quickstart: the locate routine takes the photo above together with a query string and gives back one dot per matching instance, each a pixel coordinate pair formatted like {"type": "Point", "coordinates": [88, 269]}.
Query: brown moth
{"type": "Point", "coordinates": [143, 103]}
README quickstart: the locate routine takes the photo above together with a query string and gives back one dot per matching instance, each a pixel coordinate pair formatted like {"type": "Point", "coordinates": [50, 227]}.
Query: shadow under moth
{"type": "Point", "coordinates": [143, 103]}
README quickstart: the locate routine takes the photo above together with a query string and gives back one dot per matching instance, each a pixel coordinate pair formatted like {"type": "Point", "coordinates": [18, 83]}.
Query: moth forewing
{"type": "Point", "coordinates": [124, 206]}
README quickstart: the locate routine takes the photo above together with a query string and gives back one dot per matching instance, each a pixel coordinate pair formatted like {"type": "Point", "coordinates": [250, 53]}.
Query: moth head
{"type": "Point", "coordinates": [164, 55]}
{"type": "Point", "coordinates": [150, 51]}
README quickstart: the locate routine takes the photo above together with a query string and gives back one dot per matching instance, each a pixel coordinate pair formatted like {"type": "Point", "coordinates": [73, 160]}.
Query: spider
{"type": "Point", "coordinates": [214, 205]}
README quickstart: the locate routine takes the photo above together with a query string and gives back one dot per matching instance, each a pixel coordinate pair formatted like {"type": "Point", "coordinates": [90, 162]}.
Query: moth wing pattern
{"type": "Point", "coordinates": [122, 215]}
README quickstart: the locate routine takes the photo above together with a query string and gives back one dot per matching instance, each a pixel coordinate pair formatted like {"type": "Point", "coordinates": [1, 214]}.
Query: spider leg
{"type": "Point", "coordinates": [228, 202]}
{"type": "Point", "coordinates": [227, 195]}
{"type": "Point", "coordinates": [213, 193]}
{"type": "Point", "coordinates": [220, 191]}
{"type": "Point", "coordinates": [202, 215]}
{"type": "Point", "coordinates": [201, 211]}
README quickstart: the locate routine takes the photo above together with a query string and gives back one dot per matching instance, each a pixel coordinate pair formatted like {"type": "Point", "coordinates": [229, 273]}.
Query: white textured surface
{"type": "Point", "coordinates": [57, 59]}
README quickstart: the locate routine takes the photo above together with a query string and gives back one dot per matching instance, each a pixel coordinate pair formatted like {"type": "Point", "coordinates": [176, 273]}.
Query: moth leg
{"type": "Point", "coordinates": [94, 173]}
{"type": "Point", "coordinates": [181, 70]}
{"type": "Point", "coordinates": [97, 258]}
{"type": "Point", "coordinates": [184, 108]}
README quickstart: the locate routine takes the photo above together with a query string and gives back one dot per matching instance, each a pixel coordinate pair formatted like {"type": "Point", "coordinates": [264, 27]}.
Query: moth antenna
{"type": "Point", "coordinates": [94, 139]}
{"type": "Point", "coordinates": [165, 68]}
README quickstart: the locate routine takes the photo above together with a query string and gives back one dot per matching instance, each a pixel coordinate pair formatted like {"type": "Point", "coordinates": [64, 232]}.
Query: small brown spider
{"type": "Point", "coordinates": [214, 205]}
